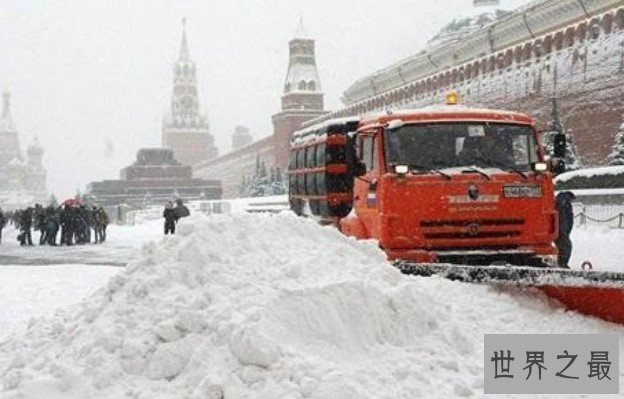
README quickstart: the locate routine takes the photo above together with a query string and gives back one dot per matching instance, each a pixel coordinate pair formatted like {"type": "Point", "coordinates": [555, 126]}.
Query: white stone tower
{"type": "Point", "coordinates": [35, 179]}
{"type": "Point", "coordinates": [302, 89]}
{"type": "Point", "coordinates": [9, 139]}
{"type": "Point", "coordinates": [303, 97]}
{"type": "Point", "coordinates": [21, 182]}
{"type": "Point", "coordinates": [185, 129]}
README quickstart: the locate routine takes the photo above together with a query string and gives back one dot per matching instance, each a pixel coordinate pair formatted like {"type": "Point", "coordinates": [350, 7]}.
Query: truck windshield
{"type": "Point", "coordinates": [450, 145]}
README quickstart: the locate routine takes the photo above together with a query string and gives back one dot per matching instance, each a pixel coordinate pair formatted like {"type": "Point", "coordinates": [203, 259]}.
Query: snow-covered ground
{"type": "Point", "coordinates": [257, 306]}
{"type": "Point", "coordinates": [121, 243]}
{"type": "Point", "coordinates": [28, 292]}
{"type": "Point", "coordinates": [602, 246]}
{"type": "Point", "coordinates": [36, 281]}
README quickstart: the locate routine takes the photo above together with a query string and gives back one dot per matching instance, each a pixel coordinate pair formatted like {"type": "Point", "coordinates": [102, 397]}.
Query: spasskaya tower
{"type": "Point", "coordinates": [185, 128]}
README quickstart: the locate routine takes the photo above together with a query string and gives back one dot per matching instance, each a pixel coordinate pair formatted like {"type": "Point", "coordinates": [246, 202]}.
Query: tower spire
{"type": "Point", "coordinates": [6, 121]}
{"type": "Point", "coordinates": [185, 128]}
{"type": "Point", "coordinates": [184, 51]}
{"type": "Point", "coordinates": [6, 105]}
{"type": "Point", "coordinates": [301, 32]}
{"type": "Point", "coordinates": [302, 74]}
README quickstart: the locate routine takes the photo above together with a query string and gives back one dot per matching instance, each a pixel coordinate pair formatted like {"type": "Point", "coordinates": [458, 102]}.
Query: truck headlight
{"type": "Point", "coordinates": [401, 170]}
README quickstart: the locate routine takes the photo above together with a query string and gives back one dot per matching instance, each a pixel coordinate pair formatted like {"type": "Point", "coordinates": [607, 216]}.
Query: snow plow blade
{"type": "Point", "coordinates": [594, 293]}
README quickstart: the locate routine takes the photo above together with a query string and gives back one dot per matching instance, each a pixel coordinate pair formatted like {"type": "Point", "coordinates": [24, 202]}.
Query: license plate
{"type": "Point", "coordinates": [522, 191]}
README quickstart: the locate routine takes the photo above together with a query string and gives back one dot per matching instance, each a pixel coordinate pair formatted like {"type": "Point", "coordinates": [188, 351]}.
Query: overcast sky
{"type": "Point", "coordinates": [84, 72]}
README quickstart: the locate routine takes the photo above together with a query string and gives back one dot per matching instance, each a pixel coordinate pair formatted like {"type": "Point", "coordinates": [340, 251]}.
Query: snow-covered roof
{"type": "Point", "coordinates": [590, 172]}
{"type": "Point", "coordinates": [458, 29]}
{"type": "Point", "coordinates": [443, 109]}
{"type": "Point", "coordinates": [440, 55]}
{"type": "Point", "coordinates": [329, 122]}
{"type": "Point", "coordinates": [303, 135]}
{"type": "Point", "coordinates": [593, 192]}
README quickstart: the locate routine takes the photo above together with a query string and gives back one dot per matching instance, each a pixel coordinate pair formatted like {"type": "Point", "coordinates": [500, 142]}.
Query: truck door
{"type": "Point", "coordinates": [365, 188]}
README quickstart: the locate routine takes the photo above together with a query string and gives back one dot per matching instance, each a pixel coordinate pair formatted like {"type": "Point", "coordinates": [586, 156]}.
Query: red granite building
{"type": "Point", "coordinates": [155, 177]}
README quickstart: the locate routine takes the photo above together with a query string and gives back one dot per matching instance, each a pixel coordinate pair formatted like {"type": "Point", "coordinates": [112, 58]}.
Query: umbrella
{"type": "Point", "coordinates": [71, 202]}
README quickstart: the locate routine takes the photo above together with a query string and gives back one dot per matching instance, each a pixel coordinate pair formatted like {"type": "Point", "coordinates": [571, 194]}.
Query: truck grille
{"type": "Point", "coordinates": [471, 229]}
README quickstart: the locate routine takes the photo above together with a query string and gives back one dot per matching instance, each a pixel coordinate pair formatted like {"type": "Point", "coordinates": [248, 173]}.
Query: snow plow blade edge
{"type": "Point", "coordinates": [595, 293]}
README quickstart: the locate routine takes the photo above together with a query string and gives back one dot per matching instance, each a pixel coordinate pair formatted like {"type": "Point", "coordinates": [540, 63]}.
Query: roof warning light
{"type": "Point", "coordinates": [452, 98]}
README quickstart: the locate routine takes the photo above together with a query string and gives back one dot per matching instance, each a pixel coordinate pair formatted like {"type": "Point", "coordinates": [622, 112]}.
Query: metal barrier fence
{"type": "Point", "coordinates": [605, 215]}
{"type": "Point", "coordinates": [257, 204]}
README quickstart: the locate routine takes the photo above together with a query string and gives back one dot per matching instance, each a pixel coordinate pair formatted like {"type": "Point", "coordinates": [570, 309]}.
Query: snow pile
{"type": "Point", "coordinates": [27, 291]}
{"type": "Point", "coordinates": [254, 306]}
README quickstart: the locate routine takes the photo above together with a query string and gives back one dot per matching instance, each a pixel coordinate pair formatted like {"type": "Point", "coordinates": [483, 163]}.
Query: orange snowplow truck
{"type": "Point", "coordinates": [437, 185]}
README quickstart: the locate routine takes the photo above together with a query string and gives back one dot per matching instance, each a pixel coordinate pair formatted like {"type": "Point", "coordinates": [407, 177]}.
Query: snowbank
{"type": "Point", "coordinates": [257, 306]}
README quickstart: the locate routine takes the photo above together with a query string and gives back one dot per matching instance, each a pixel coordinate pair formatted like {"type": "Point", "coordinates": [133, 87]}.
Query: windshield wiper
{"type": "Point", "coordinates": [503, 166]}
{"type": "Point", "coordinates": [432, 169]}
{"type": "Point", "coordinates": [511, 168]}
{"type": "Point", "coordinates": [479, 171]}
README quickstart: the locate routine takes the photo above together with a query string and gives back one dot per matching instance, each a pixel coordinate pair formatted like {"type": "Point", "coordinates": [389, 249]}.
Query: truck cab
{"type": "Point", "coordinates": [441, 184]}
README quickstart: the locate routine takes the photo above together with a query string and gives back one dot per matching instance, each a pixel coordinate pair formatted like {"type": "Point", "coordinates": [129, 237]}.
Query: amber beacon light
{"type": "Point", "coordinates": [452, 98]}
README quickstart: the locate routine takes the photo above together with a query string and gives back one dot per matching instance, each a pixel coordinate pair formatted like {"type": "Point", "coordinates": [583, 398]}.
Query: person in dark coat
{"type": "Point", "coordinates": [89, 221]}
{"type": "Point", "coordinates": [40, 222]}
{"type": "Point", "coordinates": [95, 224]}
{"type": "Point", "coordinates": [171, 217]}
{"type": "Point", "coordinates": [102, 220]}
{"type": "Point", "coordinates": [25, 222]}
{"type": "Point", "coordinates": [566, 222]}
{"type": "Point", "coordinates": [65, 219]}
{"type": "Point", "coordinates": [51, 224]}
{"type": "Point", "coordinates": [2, 223]}
{"type": "Point", "coordinates": [79, 225]}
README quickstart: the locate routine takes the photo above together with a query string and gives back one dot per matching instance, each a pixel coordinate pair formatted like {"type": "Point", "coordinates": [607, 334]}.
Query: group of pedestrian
{"type": "Point", "coordinates": [75, 223]}
{"type": "Point", "coordinates": [174, 213]}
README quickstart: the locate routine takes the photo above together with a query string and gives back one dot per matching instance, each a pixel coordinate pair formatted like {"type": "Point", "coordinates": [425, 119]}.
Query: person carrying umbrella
{"type": "Point", "coordinates": [171, 217]}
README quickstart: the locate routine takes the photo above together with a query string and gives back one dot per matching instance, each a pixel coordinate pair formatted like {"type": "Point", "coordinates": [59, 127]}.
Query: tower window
{"type": "Point", "coordinates": [311, 85]}
{"type": "Point", "coordinates": [302, 85]}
